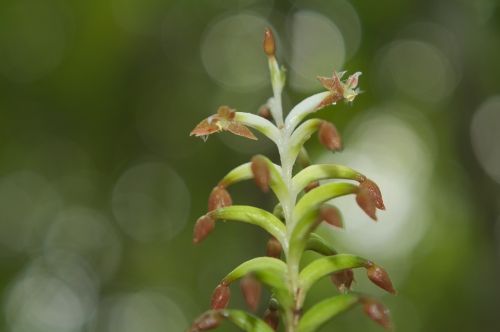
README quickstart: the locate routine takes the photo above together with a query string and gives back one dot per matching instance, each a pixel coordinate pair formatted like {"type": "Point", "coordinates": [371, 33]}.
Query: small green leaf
{"type": "Point", "coordinates": [211, 319]}
{"type": "Point", "coordinates": [265, 126]}
{"type": "Point", "coordinates": [314, 198]}
{"type": "Point", "coordinates": [254, 216]}
{"type": "Point", "coordinates": [317, 244]}
{"type": "Point", "coordinates": [323, 311]}
{"type": "Point", "coordinates": [268, 270]}
{"type": "Point", "coordinates": [245, 321]}
{"type": "Point", "coordinates": [303, 109]}
{"type": "Point", "coordinates": [325, 171]}
{"type": "Point", "coordinates": [326, 266]}
{"type": "Point", "coordinates": [301, 135]}
{"type": "Point", "coordinates": [244, 172]}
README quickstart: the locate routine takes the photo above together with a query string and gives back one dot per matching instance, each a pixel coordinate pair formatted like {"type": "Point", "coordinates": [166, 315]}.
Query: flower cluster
{"type": "Point", "coordinates": [305, 202]}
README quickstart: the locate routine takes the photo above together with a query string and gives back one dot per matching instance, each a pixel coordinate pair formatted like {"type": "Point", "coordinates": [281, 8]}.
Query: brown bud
{"type": "Point", "coordinates": [272, 319]}
{"type": "Point", "coordinates": [204, 226]}
{"type": "Point", "coordinates": [343, 280]}
{"type": "Point", "coordinates": [269, 44]}
{"type": "Point", "coordinates": [273, 248]}
{"type": "Point", "coordinates": [366, 201]}
{"type": "Point", "coordinates": [375, 192]}
{"type": "Point", "coordinates": [265, 112]}
{"type": "Point", "coordinates": [377, 312]}
{"type": "Point", "coordinates": [329, 136]}
{"type": "Point", "coordinates": [221, 296]}
{"type": "Point", "coordinates": [219, 198]}
{"type": "Point", "coordinates": [207, 321]}
{"type": "Point", "coordinates": [261, 173]}
{"type": "Point", "coordinates": [311, 186]}
{"type": "Point", "coordinates": [252, 290]}
{"type": "Point", "coordinates": [379, 277]}
{"type": "Point", "coordinates": [331, 215]}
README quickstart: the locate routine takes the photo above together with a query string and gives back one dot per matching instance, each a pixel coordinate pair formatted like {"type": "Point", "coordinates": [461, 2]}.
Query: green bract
{"type": "Point", "coordinates": [302, 206]}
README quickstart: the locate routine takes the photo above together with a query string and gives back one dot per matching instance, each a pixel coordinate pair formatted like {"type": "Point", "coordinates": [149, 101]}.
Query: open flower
{"type": "Point", "coordinates": [339, 90]}
{"type": "Point", "coordinates": [223, 120]}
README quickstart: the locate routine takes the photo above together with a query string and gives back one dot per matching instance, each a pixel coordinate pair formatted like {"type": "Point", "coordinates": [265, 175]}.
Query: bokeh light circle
{"type": "Point", "coordinates": [400, 167]}
{"type": "Point", "coordinates": [317, 49]}
{"type": "Point", "coordinates": [418, 69]}
{"type": "Point", "coordinates": [485, 135]}
{"type": "Point", "coordinates": [151, 201]}
{"type": "Point", "coordinates": [231, 51]}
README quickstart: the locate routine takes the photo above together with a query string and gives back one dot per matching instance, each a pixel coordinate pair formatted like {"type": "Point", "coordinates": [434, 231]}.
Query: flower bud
{"type": "Point", "coordinates": [207, 321]}
{"type": "Point", "coordinates": [204, 226]}
{"type": "Point", "coordinates": [272, 319]}
{"type": "Point", "coordinates": [273, 248]}
{"type": "Point", "coordinates": [261, 173]}
{"type": "Point", "coordinates": [377, 312]}
{"type": "Point", "coordinates": [343, 280]}
{"type": "Point", "coordinates": [221, 296]}
{"type": "Point", "coordinates": [252, 290]}
{"type": "Point", "coordinates": [278, 212]}
{"type": "Point", "coordinates": [366, 201]}
{"type": "Point", "coordinates": [329, 136]}
{"type": "Point", "coordinates": [379, 277]}
{"type": "Point", "coordinates": [331, 215]}
{"type": "Point", "coordinates": [375, 192]}
{"type": "Point", "coordinates": [219, 198]}
{"type": "Point", "coordinates": [269, 44]}
{"type": "Point", "coordinates": [265, 112]}
{"type": "Point", "coordinates": [311, 186]}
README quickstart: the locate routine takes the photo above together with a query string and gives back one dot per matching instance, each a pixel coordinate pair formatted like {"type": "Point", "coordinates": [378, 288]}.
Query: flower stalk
{"type": "Point", "coordinates": [302, 207]}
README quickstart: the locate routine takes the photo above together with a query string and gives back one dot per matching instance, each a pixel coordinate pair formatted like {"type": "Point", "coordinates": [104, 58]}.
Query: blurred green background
{"type": "Point", "coordinates": [100, 183]}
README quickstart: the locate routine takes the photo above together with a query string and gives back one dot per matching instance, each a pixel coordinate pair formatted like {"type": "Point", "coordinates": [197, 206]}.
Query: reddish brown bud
{"type": "Point", "coordinates": [207, 321]}
{"type": "Point", "coordinates": [366, 201]}
{"type": "Point", "coordinates": [379, 277]}
{"type": "Point", "coordinates": [204, 226]}
{"type": "Point", "coordinates": [252, 290]}
{"type": "Point", "coordinates": [272, 319]}
{"type": "Point", "coordinates": [329, 136]}
{"type": "Point", "coordinates": [273, 248]}
{"type": "Point", "coordinates": [261, 173]}
{"type": "Point", "coordinates": [219, 198]}
{"type": "Point", "coordinates": [343, 280]}
{"type": "Point", "coordinates": [331, 215]}
{"type": "Point", "coordinates": [377, 312]}
{"type": "Point", "coordinates": [269, 44]}
{"type": "Point", "coordinates": [265, 112]}
{"type": "Point", "coordinates": [221, 296]}
{"type": "Point", "coordinates": [375, 192]}
{"type": "Point", "coordinates": [311, 186]}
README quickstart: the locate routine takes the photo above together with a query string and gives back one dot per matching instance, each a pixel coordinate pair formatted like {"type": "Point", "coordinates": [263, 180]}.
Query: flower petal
{"type": "Point", "coordinates": [240, 130]}
{"type": "Point", "coordinates": [205, 128]}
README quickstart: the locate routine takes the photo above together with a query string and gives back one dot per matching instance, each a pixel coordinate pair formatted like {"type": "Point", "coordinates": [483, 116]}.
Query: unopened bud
{"type": "Point", "coordinates": [261, 173]}
{"type": "Point", "coordinates": [273, 248]}
{"type": "Point", "coordinates": [204, 226]}
{"type": "Point", "coordinates": [311, 186]}
{"type": "Point", "coordinates": [269, 44]}
{"type": "Point", "coordinates": [265, 112]}
{"type": "Point", "coordinates": [221, 296]}
{"type": "Point", "coordinates": [207, 321]}
{"type": "Point", "coordinates": [375, 192]}
{"type": "Point", "coordinates": [219, 198]}
{"type": "Point", "coordinates": [252, 290]}
{"type": "Point", "coordinates": [329, 136]}
{"type": "Point", "coordinates": [331, 215]}
{"type": "Point", "coordinates": [377, 312]}
{"type": "Point", "coordinates": [379, 277]}
{"type": "Point", "coordinates": [343, 280]}
{"type": "Point", "coordinates": [278, 212]}
{"type": "Point", "coordinates": [366, 201]}
{"type": "Point", "coordinates": [272, 319]}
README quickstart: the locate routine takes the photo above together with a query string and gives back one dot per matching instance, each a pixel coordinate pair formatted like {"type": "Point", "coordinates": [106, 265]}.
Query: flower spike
{"type": "Point", "coordinates": [223, 120]}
